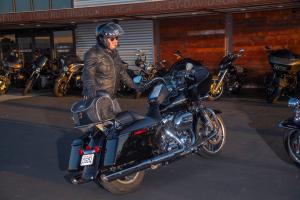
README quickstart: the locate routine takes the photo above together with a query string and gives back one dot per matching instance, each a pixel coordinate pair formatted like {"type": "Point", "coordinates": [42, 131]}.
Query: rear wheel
{"type": "Point", "coordinates": [212, 138]}
{"type": "Point", "coordinates": [291, 141]}
{"type": "Point", "coordinates": [215, 93]}
{"type": "Point", "coordinates": [125, 185]}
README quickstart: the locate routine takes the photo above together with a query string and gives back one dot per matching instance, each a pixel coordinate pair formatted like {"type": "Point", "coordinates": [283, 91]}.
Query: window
{"type": "Point", "coordinates": [23, 5]}
{"type": "Point", "coordinates": [7, 45]}
{"type": "Point", "coordinates": [56, 4]}
{"type": "Point", "coordinates": [6, 7]}
{"type": "Point", "coordinates": [40, 5]}
{"type": "Point", "coordinates": [63, 43]}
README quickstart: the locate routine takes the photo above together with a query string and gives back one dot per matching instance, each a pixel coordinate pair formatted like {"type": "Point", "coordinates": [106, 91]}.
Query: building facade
{"type": "Point", "coordinates": [203, 30]}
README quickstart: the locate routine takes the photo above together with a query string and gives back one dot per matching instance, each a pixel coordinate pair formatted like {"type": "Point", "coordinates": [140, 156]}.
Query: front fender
{"type": "Point", "coordinates": [216, 111]}
{"type": "Point", "coordinates": [289, 124]}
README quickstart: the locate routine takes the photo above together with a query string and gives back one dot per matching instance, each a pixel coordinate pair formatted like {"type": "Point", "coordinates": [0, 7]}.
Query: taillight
{"type": "Point", "coordinates": [141, 131]}
{"type": "Point", "coordinates": [97, 149]}
{"type": "Point", "coordinates": [81, 152]}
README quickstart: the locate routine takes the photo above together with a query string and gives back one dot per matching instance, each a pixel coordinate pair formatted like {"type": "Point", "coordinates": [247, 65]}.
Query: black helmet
{"type": "Point", "coordinates": [108, 30]}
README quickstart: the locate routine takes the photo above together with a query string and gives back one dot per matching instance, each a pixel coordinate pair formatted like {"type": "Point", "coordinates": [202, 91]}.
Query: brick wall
{"type": "Point", "coordinates": [254, 31]}
{"type": "Point", "coordinates": [196, 38]}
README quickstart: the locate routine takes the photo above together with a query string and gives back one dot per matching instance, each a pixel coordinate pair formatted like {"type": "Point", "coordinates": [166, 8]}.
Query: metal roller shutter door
{"type": "Point", "coordinates": [138, 35]}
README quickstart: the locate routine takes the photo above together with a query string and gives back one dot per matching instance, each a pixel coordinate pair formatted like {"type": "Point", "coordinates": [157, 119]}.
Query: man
{"type": "Point", "coordinates": [103, 68]}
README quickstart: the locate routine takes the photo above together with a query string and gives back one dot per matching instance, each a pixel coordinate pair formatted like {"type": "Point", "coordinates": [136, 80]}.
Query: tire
{"type": "Point", "coordinates": [126, 185]}
{"type": "Point", "coordinates": [58, 87]}
{"type": "Point", "coordinates": [273, 93]}
{"type": "Point", "coordinates": [4, 85]}
{"type": "Point", "coordinates": [214, 146]}
{"type": "Point", "coordinates": [28, 86]}
{"type": "Point", "coordinates": [291, 142]}
{"type": "Point", "coordinates": [272, 90]}
{"type": "Point", "coordinates": [213, 96]}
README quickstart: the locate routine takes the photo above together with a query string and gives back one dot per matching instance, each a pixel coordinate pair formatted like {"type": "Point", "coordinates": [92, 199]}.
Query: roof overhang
{"type": "Point", "coordinates": [157, 9]}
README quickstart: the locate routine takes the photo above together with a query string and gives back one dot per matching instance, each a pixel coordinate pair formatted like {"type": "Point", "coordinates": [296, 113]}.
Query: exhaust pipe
{"type": "Point", "coordinates": [154, 161]}
{"type": "Point", "coordinates": [147, 164]}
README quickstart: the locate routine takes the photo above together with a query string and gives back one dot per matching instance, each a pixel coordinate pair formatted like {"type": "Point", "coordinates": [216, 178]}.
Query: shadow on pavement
{"type": "Point", "coordinates": [264, 119]}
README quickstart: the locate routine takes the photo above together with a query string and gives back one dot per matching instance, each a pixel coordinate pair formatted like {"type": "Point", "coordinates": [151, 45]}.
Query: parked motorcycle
{"type": "Point", "coordinates": [13, 73]}
{"type": "Point", "coordinates": [291, 138]}
{"type": "Point", "coordinates": [70, 77]}
{"type": "Point", "coordinates": [116, 150]}
{"type": "Point", "coordinates": [41, 77]}
{"type": "Point", "coordinates": [230, 77]}
{"type": "Point", "coordinates": [284, 79]}
{"type": "Point", "coordinates": [144, 72]}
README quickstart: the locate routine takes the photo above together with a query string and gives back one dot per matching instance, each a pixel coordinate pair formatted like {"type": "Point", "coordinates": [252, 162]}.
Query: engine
{"type": "Point", "coordinates": [177, 131]}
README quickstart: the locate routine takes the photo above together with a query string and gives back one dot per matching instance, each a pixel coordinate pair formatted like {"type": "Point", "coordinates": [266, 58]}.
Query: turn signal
{"type": "Point", "coordinates": [141, 131]}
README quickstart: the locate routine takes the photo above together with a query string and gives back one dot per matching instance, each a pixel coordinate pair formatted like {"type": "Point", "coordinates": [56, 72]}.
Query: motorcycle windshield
{"type": "Point", "coordinates": [181, 65]}
{"type": "Point", "coordinates": [283, 53]}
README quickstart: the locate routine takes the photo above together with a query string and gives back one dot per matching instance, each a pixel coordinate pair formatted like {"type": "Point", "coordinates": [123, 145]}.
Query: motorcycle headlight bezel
{"type": "Point", "coordinates": [65, 69]}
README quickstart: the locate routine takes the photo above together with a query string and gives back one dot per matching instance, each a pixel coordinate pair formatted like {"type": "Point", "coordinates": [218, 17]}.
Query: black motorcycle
{"type": "Point", "coordinates": [70, 77]}
{"type": "Point", "coordinates": [230, 77]}
{"type": "Point", "coordinates": [284, 79]}
{"type": "Point", "coordinates": [291, 137]}
{"type": "Point", "coordinates": [41, 77]}
{"type": "Point", "coordinates": [116, 150]}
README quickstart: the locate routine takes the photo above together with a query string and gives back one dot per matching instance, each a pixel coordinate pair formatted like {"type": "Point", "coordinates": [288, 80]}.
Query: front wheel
{"type": "Point", "coordinates": [125, 185]}
{"type": "Point", "coordinates": [60, 87]}
{"type": "Point", "coordinates": [28, 86]}
{"type": "Point", "coordinates": [273, 93]}
{"type": "Point", "coordinates": [4, 85]}
{"type": "Point", "coordinates": [214, 92]}
{"type": "Point", "coordinates": [291, 141]}
{"type": "Point", "coordinates": [212, 137]}
{"type": "Point", "coordinates": [272, 89]}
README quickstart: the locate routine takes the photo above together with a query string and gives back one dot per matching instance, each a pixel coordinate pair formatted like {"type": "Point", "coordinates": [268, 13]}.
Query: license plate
{"type": "Point", "coordinates": [87, 160]}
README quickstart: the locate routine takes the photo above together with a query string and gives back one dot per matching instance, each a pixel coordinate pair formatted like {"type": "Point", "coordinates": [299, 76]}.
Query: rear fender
{"type": "Point", "coordinates": [216, 111]}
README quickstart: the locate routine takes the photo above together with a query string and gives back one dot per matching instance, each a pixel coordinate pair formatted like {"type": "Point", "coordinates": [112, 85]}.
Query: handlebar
{"type": "Point", "coordinates": [152, 82]}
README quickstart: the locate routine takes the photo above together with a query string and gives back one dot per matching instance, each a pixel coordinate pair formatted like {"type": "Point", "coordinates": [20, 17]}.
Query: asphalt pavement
{"type": "Point", "coordinates": [36, 133]}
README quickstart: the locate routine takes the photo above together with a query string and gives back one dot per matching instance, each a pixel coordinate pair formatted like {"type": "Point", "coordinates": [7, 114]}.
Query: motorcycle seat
{"type": "Point", "coordinates": [127, 117]}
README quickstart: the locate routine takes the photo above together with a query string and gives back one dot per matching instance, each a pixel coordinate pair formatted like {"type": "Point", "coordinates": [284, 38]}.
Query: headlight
{"type": "Point", "coordinates": [293, 103]}
{"type": "Point", "coordinates": [65, 68]}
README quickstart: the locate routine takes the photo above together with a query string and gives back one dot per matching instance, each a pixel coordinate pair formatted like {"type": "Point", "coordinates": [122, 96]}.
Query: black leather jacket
{"type": "Point", "coordinates": [103, 70]}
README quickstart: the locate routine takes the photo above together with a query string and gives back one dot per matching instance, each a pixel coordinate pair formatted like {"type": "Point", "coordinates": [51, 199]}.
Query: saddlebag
{"type": "Point", "coordinates": [93, 110]}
